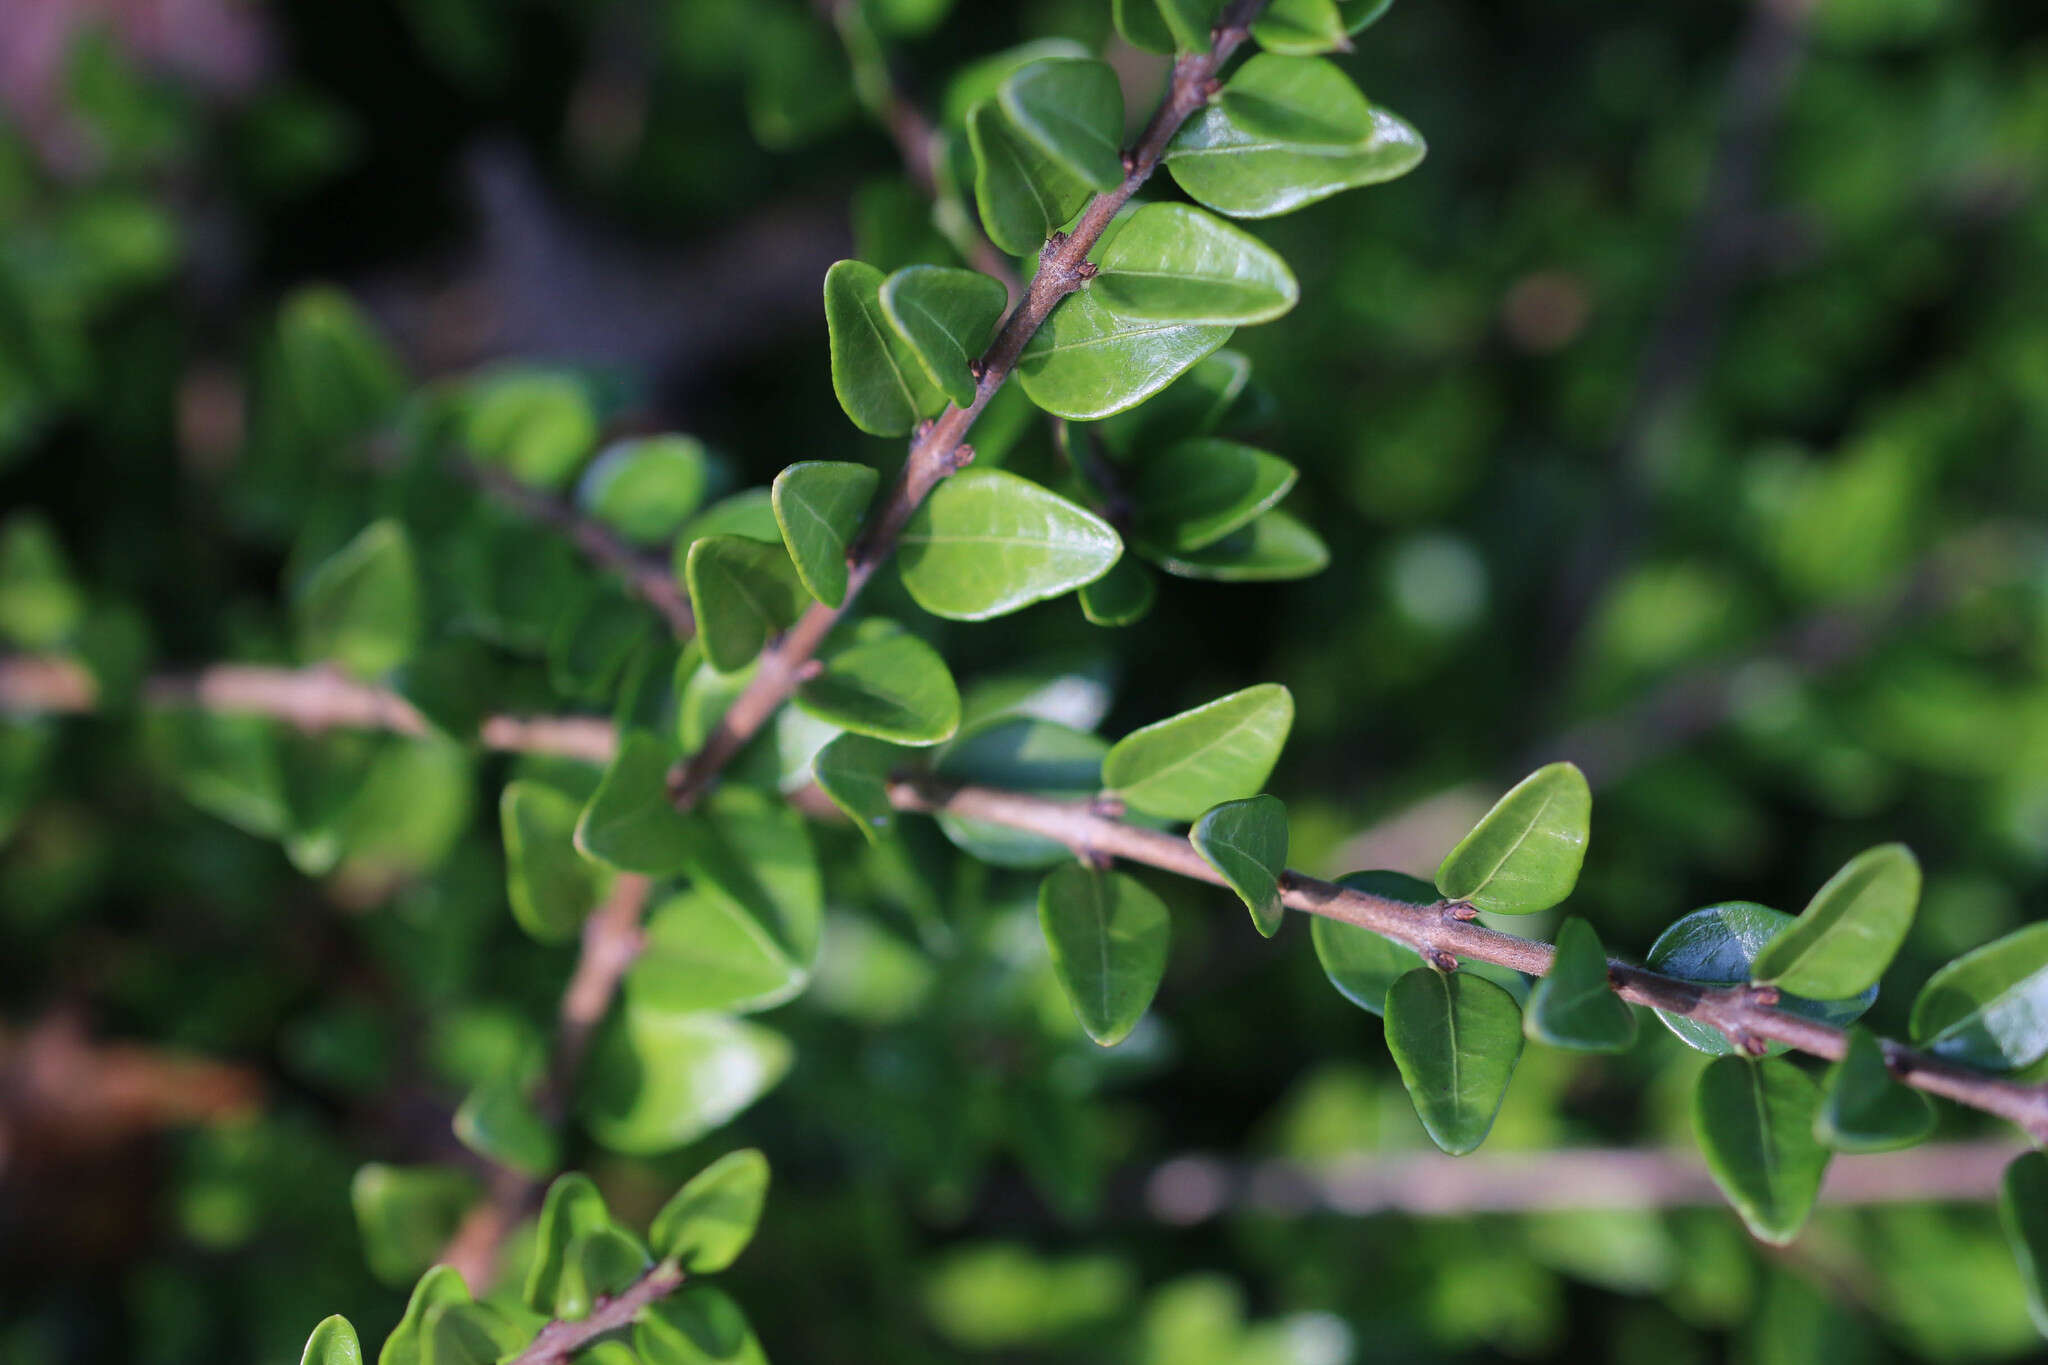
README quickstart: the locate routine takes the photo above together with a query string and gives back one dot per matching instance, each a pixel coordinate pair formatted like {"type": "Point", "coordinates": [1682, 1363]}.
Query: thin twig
{"type": "Point", "coordinates": [563, 1338]}
{"type": "Point", "coordinates": [941, 447]}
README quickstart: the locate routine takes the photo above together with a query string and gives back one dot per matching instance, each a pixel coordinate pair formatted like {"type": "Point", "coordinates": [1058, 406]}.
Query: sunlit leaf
{"type": "Point", "coordinates": [630, 823]}
{"type": "Point", "coordinates": [333, 1343]}
{"type": "Point", "coordinates": [1851, 929]}
{"type": "Point", "coordinates": [889, 685]}
{"type": "Point", "coordinates": [361, 608]}
{"type": "Point", "coordinates": [551, 887]}
{"type": "Point", "coordinates": [497, 1121]}
{"type": "Point", "coordinates": [744, 592]}
{"type": "Point", "coordinates": [1174, 263]}
{"type": "Point", "coordinates": [1297, 27]}
{"type": "Point", "coordinates": [1255, 175]}
{"type": "Point", "coordinates": [876, 374]}
{"type": "Point", "coordinates": [698, 1325]}
{"type": "Point", "coordinates": [1220, 751]}
{"type": "Point", "coordinates": [1989, 1007]}
{"type": "Point", "coordinates": [948, 316]}
{"type": "Point", "coordinates": [1196, 492]}
{"type": "Point", "coordinates": [647, 487]}
{"type": "Point", "coordinates": [704, 952]}
{"type": "Point", "coordinates": [854, 770]}
{"type": "Point", "coordinates": [1071, 110]}
{"type": "Point", "coordinates": [1087, 362]}
{"type": "Point", "coordinates": [819, 506]}
{"type": "Point", "coordinates": [708, 1222]}
{"type": "Point", "coordinates": [1524, 855]}
{"type": "Point", "coordinates": [1303, 101]}
{"type": "Point", "coordinates": [656, 1081]}
{"type": "Point", "coordinates": [1024, 194]}
{"type": "Point", "coordinates": [986, 543]}
{"type": "Point", "coordinates": [1715, 946]}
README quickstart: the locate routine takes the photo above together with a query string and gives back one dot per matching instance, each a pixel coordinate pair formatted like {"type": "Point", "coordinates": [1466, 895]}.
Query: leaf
{"type": "Point", "coordinates": [1141, 25]}
{"type": "Point", "coordinates": [590, 645]}
{"type": "Point", "coordinates": [876, 375]}
{"type": "Point", "coordinates": [1246, 842]}
{"type": "Point", "coordinates": [1175, 263]}
{"type": "Point", "coordinates": [599, 1263]}
{"type": "Point", "coordinates": [853, 770]}
{"type": "Point", "coordinates": [644, 488]}
{"type": "Point", "coordinates": [536, 425]}
{"type": "Point", "coordinates": [1455, 1039]}
{"type": "Point", "coordinates": [1194, 493]}
{"type": "Point", "coordinates": [1301, 27]}
{"type": "Point", "coordinates": [1072, 110]}
{"type": "Point", "coordinates": [41, 606]}
{"type": "Point", "coordinates": [468, 1334]}
{"type": "Point", "coordinates": [891, 686]}
{"type": "Point", "coordinates": [1715, 946]}
{"type": "Point", "coordinates": [1274, 547]}
{"type": "Point", "coordinates": [1121, 597]}
{"type": "Point", "coordinates": [361, 608]}
{"type": "Point", "coordinates": [1361, 964]}
{"type": "Point", "coordinates": [499, 1123]}
{"type": "Point", "coordinates": [1863, 1109]}
{"type": "Point", "coordinates": [1190, 21]}
{"type": "Point", "coordinates": [1989, 1007]}
{"type": "Point", "coordinates": [948, 316]}
{"type": "Point", "coordinates": [571, 1208]}
{"type": "Point", "coordinates": [986, 543]}
{"type": "Point", "coordinates": [405, 1215]}
{"type": "Point", "coordinates": [699, 1325]}
{"type": "Point", "coordinates": [439, 1289]}
{"type": "Point", "coordinates": [1023, 754]}
{"type": "Point", "coordinates": [333, 1343]}
{"type": "Point", "coordinates": [551, 887]}
{"type": "Point", "coordinates": [1524, 855]}
{"type": "Point", "coordinates": [1573, 1006]}
{"type": "Point", "coordinates": [629, 823]}
{"type": "Point", "coordinates": [2023, 1210]}
{"type": "Point", "coordinates": [1851, 929]}
{"type": "Point", "coordinates": [1086, 362]}
{"type": "Point", "coordinates": [1108, 938]}
{"type": "Point", "coordinates": [1360, 14]}
{"type": "Point", "coordinates": [655, 1082]}
{"type": "Point", "coordinates": [704, 953]}
{"type": "Point", "coordinates": [1179, 767]}
{"type": "Point", "coordinates": [749, 512]}
{"type": "Point", "coordinates": [1302, 101]}
{"type": "Point", "coordinates": [705, 1226]}
{"type": "Point", "coordinates": [1754, 1119]}
{"type": "Point", "coordinates": [1253, 175]}
{"type": "Point", "coordinates": [819, 505]}
{"type": "Point", "coordinates": [1024, 194]}
{"type": "Point", "coordinates": [745, 592]}
{"type": "Point", "coordinates": [754, 850]}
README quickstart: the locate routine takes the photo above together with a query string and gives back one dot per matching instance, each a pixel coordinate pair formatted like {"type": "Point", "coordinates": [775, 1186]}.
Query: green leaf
{"type": "Point", "coordinates": [853, 770]}
{"type": "Point", "coordinates": [535, 425]}
{"type": "Point", "coordinates": [1254, 175]}
{"type": "Point", "coordinates": [1361, 964]}
{"type": "Point", "coordinates": [2023, 1210]}
{"type": "Point", "coordinates": [1455, 1038]}
{"type": "Point", "coordinates": [1072, 111]}
{"type": "Point", "coordinates": [1108, 938]}
{"type": "Point", "coordinates": [1361, 14]}
{"type": "Point", "coordinates": [657, 1081]}
{"type": "Point", "coordinates": [466, 1334]}
{"type": "Point", "coordinates": [749, 512]}
{"type": "Point", "coordinates": [1194, 493]}
{"type": "Point", "coordinates": [1175, 263]}
{"type": "Point", "coordinates": [1024, 194]}
{"type": "Point", "coordinates": [551, 886]}
{"type": "Point", "coordinates": [1246, 842]}
{"type": "Point", "coordinates": [1851, 929]}
{"type": "Point", "coordinates": [40, 605]}
{"type": "Point", "coordinates": [599, 1262]}
{"type": "Point", "coordinates": [1302, 101]}
{"type": "Point", "coordinates": [646, 487]}
{"type": "Point", "coordinates": [876, 374]}
{"type": "Point", "coordinates": [1179, 767]}
{"type": "Point", "coordinates": [819, 506]}
{"type": "Point", "coordinates": [439, 1289]}
{"type": "Point", "coordinates": [745, 592]}
{"type": "Point", "coordinates": [986, 543]}
{"type": "Point", "coordinates": [707, 1223]}
{"type": "Point", "coordinates": [754, 850]}
{"type": "Point", "coordinates": [361, 608]}
{"type": "Point", "coordinates": [1087, 362]}
{"type": "Point", "coordinates": [890, 686]}
{"type": "Point", "coordinates": [590, 646]}
{"type": "Point", "coordinates": [1192, 405]}
{"type": "Point", "coordinates": [1301, 28]}
{"type": "Point", "coordinates": [704, 952]}
{"type": "Point", "coordinates": [698, 1325]}
{"type": "Point", "coordinates": [1573, 1006]}
{"type": "Point", "coordinates": [1190, 22]}
{"type": "Point", "coordinates": [630, 824]}
{"type": "Point", "coordinates": [1273, 548]}
{"type": "Point", "coordinates": [1023, 754]}
{"type": "Point", "coordinates": [948, 317]}
{"type": "Point", "coordinates": [1715, 947]}
{"type": "Point", "coordinates": [1989, 1007]}
{"type": "Point", "coordinates": [406, 1214]}
{"type": "Point", "coordinates": [1864, 1109]}
{"type": "Point", "coordinates": [571, 1208]}
{"type": "Point", "coordinates": [1121, 597]}
{"type": "Point", "coordinates": [1754, 1119]}
{"type": "Point", "coordinates": [1524, 855]}
{"type": "Point", "coordinates": [499, 1123]}
{"type": "Point", "coordinates": [333, 1343]}
{"type": "Point", "coordinates": [1141, 25]}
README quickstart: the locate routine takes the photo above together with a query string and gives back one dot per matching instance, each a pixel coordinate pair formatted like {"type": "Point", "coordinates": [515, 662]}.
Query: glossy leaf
{"type": "Point", "coordinates": [876, 374]}
{"type": "Point", "coordinates": [1715, 946]}
{"type": "Point", "coordinates": [361, 609]}
{"type": "Point", "coordinates": [853, 770]}
{"type": "Point", "coordinates": [551, 887]}
{"type": "Point", "coordinates": [697, 1325]}
{"type": "Point", "coordinates": [1989, 1007]}
{"type": "Point", "coordinates": [1223, 750]}
{"type": "Point", "coordinates": [333, 1343]}
{"type": "Point", "coordinates": [439, 1289]}
{"type": "Point", "coordinates": [498, 1122]}
{"type": "Point", "coordinates": [1072, 111]}
{"type": "Point", "coordinates": [704, 952]}
{"type": "Point", "coordinates": [1024, 195]}
{"type": "Point", "coordinates": [1524, 854]}
{"type": "Point", "coordinates": [1174, 263]}
{"type": "Point", "coordinates": [744, 592]}
{"type": "Point", "coordinates": [629, 823]}
{"type": "Point", "coordinates": [890, 686]}
{"type": "Point", "coordinates": [1196, 492]}
{"type": "Point", "coordinates": [1273, 548]}
{"type": "Point", "coordinates": [819, 506]}
{"type": "Point", "coordinates": [1754, 1119]}
{"type": "Point", "coordinates": [571, 1208]}
{"type": "Point", "coordinates": [647, 487]}
{"type": "Point", "coordinates": [1361, 964]}
{"type": "Point", "coordinates": [948, 316]}
{"type": "Point", "coordinates": [1863, 1109]}
{"type": "Point", "coordinates": [2023, 1210]}
{"type": "Point", "coordinates": [1573, 1006]}
{"type": "Point", "coordinates": [1254, 175]}
{"type": "Point", "coordinates": [1108, 939]}
{"type": "Point", "coordinates": [1019, 753]}
{"type": "Point", "coordinates": [706, 1224]}
{"type": "Point", "coordinates": [1301, 101]}
{"type": "Point", "coordinates": [657, 1081]}
{"type": "Point", "coordinates": [986, 543]}
{"type": "Point", "coordinates": [1087, 362]}
{"type": "Point", "coordinates": [1455, 1038]}
{"type": "Point", "coordinates": [1298, 27]}
{"type": "Point", "coordinates": [1246, 842]}
{"type": "Point", "coordinates": [1121, 597]}
{"type": "Point", "coordinates": [599, 1263]}
{"type": "Point", "coordinates": [753, 850]}
{"type": "Point", "coordinates": [1192, 405]}
{"type": "Point", "coordinates": [1851, 929]}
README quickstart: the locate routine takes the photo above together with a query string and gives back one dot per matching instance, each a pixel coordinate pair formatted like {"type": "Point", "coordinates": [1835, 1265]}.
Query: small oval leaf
{"type": "Point", "coordinates": [1108, 937]}
{"type": "Point", "coordinates": [1573, 1005]}
{"type": "Point", "coordinates": [1524, 855]}
{"type": "Point", "coordinates": [333, 1343]}
{"type": "Point", "coordinates": [551, 887]}
{"type": "Point", "coordinates": [876, 374]}
{"type": "Point", "coordinates": [1989, 1007]}
{"type": "Point", "coordinates": [1246, 842]}
{"type": "Point", "coordinates": [705, 1226]}
{"type": "Point", "coordinates": [818, 506]}
{"type": "Point", "coordinates": [1361, 964]}
{"type": "Point", "coordinates": [1715, 947]}
{"type": "Point", "coordinates": [1087, 362]}
{"type": "Point", "coordinates": [1455, 1038]}
{"type": "Point", "coordinates": [1221, 751]}
{"type": "Point", "coordinates": [1196, 492]}
{"type": "Point", "coordinates": [1300, 100]}
{"type": "Point", "coordinates": [948, 316]}
{"type": "Point", "coordinates": [853, 771]}
{"type": "Point", "coordinates": [1024, 194]}
{"type": "Point", "coordinates": [1274, 548]}
{"type": "Point", "coordinates": [744, 592]}
{"type": "Point", "coordinates": [1071, 110]}
{"type": "Point", "coordinates": [629, 822]}
{"type": "Point", "coordinates": [1851, 929]}
{"type": "Point", "coordinates": [1175, 263]}
{"type": "Point", "coordinates": [986, 543]}
{"type": "Point", "coordinates": [1863, 1109]}
{"type": "Point", "coordinates": [1244, 174]}
{"type": "Point", "coordinates": [1754, 1119]}
{"type": "Point", "coordinates": [893, 687]}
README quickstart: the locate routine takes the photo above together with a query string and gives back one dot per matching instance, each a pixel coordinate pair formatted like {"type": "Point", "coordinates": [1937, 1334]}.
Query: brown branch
{"type": "Point", "coordinates": [562, 1339]}
{"type": "Point", "coordinates": [941, 447]}
{"type": "Point", "coordinates": [1741, 1013]}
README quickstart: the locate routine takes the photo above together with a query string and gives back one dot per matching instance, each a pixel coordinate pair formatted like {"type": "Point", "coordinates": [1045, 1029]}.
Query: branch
{"type": "Point", "coordinates": [941, 448]}
{"type": "Point", "coordinates": [1743, 1014]}
{"type": "Point", "coordinates": [561, 1339]}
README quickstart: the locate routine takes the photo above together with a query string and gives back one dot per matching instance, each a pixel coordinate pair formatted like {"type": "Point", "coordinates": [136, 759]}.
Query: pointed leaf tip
{"type": "Point", "coordinates": [1573, 1006]}
{"type": "Point", "coordinates": [1246, 842]}
{"type": "Point", "coordinates": [1108, 938]}
{"type": "Point", "coordinates": [1524, 855]}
